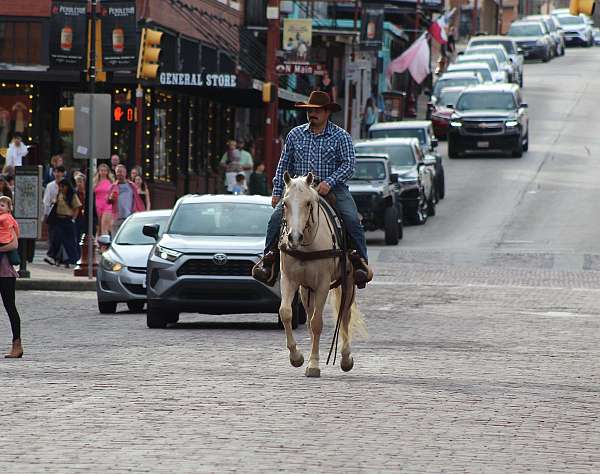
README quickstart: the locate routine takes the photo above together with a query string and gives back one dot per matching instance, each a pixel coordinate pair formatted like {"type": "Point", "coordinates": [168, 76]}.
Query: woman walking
{"type": "Point", "coordinates": [65, 234]}
{"type": "Point", "coordinates": [143, 191]}
{"type": "Point", "coordinates": [103, 181]}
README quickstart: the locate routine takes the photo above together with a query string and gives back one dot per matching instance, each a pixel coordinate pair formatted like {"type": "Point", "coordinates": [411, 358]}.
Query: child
{"type": "Point", "coordinates": [7, 225]}
{"type": "Point", "coordinates": [258, 181]}
{"type": "Point", "coordinates": [240, 184]}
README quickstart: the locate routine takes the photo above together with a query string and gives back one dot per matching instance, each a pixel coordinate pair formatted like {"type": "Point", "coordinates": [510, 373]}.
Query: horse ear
{"type": "Point", "coordinates": [286, 178]}
{"type": "Point", "coordinates": [309, 178]}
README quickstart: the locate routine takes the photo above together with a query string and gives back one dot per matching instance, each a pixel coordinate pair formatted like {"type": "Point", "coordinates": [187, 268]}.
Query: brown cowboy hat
{"type": "Point", "coordinates": [319, 100]}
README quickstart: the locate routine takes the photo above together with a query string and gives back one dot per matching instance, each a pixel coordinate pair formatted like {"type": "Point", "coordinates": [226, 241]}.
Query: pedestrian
{"type": "Point", "coordinates": [124, 199]}
{"type": "Point", "coordinates": [231, 163]}
{"type": "Point", "coordinates": [135, 171]}
{"type": "Point", "coordinates": [114, 162]}
{"type": "Point", "coordinates": [17, 150]}
{"type": "Point", "coordinates": [8, 279]}
{"type": "Point", "coordinates": [80, 220]}
{"type": "Point", "coordinates": [258, 181]}
{"type": "Point", "coordinates": [328, 86]}
{"type": "Point", "coordinates": [55, 161]}
{"type": "Point", "coordinates": [5, 188]}
{"type": "Point", "coordinates": [64, 235]}
{"type": "Point", "coordinates": [240, 184]}
{"type": "Point", "coordinates": [50, 194]}
{"type": "Point", "coordinates": [8, 171]}
{"type": "Point", "coordinates": [245, 159]}
{"type": "Point", "coordinates": [103, 181]}
{"type": "Point", "coordinates": [369, 116]}
{"type": "Point", "coordinates": [452, 39]}
{"type": "Point", "coordinates": [143, 191]}
{"type": "Point", "coordinates": [8, 224]}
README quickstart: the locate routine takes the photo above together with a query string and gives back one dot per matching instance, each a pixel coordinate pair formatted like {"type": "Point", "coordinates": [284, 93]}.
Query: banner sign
{"type": "Point", "coordinates": [371, 27]}
{"type": "Point", "coordinates": [297, 40]}
{"type": "Point", "coordinates": [299, 68]}
{"type": "Point", "coordinates": [68, 34]}
{"type": "Point", "coordinates": [202, 79]}
{"type": "Point", "coordinates": [119, 41]}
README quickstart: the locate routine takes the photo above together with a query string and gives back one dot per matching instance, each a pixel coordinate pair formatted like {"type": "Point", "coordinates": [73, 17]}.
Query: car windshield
{"type": "Point", "coordinates": [400, 155]}
{"type": "Point", "coordinates": [500, 56]}
{"type": "Point", "coordinates": [571, 20]}
{"type": "Point", "coordinates": [369, 171]}
{"type": "Point", "coordinates": [489, 61]}
{"type": "Point", "coordinates": [221, 219]}
{"type": "Point", "coordinates": [418, 133]}
{"type": "Point", "coordinates": [484, 72]}
{"type": "Point", "coordinates": [525, 30]}
{"type": "Point", "coordinates": [131, 232]}
{"type": "Point", "coordinates": [486, 101]}
{"type": "Point", "coordinates": [443, 83]}
{"type": "Point", "coordinates": [449, 97]}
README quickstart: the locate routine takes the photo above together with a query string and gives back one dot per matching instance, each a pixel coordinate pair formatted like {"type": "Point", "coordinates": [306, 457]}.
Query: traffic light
{"type": "Point", "coordinates": [582, 6]}
{"type": "Point", "coordinates": [66, 119]}
{"type": "Point", "coordinates": [149, 57]}
{"type": "Point", "coordinates": [269, 92]}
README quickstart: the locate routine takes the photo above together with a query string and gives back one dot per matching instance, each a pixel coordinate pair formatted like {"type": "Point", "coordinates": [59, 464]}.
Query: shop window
{"type": "Point", "coordinates": [22, 43]}
{"type": "Point", "coordinates": [16, 111]}
{"type": "Point", "coordinates": [164, 153]}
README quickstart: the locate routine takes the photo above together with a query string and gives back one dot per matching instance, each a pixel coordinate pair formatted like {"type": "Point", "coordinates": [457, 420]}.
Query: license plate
{"type": "Point", "coordinates": [483, 144]}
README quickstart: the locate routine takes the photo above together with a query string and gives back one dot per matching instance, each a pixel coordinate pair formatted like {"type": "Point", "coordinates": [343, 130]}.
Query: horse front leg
{"type": "Point", "coordinates": [316, 327]}
{"type": "Point", "coordinates": [288, 291]}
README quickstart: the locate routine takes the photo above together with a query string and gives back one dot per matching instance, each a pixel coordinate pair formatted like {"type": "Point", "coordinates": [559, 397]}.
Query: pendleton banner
{"type": "Point", "coordinates": [68, 34]}
{"type": "Point", "coordinates": [371, 28]}
{"type": "Point", "coordinates": [119, 41]}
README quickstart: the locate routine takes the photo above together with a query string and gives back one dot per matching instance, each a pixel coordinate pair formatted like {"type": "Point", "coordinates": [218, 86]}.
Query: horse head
{"type": "Point", "coordinates": [300, 202]}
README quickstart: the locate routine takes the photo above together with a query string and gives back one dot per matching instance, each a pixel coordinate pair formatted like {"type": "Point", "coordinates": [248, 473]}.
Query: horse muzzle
{"type": "Point", "coordinates": [294, 239]}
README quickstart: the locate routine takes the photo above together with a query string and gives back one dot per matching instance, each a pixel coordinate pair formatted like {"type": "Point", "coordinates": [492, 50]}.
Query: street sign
{"type": "Point", "coordinates": [91, 138]}
{"type": "Point", "coordinates": [28, 201]}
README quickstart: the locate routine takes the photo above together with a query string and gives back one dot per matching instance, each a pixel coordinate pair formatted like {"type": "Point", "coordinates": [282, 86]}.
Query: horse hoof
{"type": "Point", "coordinates": [313, 372]}
{"type": "Point", "coordinates": [298, 361]}
{"type": "Point", "coordinates": [347, 364]}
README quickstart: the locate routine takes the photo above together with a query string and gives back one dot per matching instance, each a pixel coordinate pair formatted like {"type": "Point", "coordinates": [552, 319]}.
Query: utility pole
{"type": "Point", "coordinates": [271, 76]}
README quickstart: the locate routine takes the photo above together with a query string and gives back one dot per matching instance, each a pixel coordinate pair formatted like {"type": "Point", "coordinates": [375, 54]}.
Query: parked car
{"type": "Point", "coordinates": [375, 191]}
{"type": "Point", "coordinates": [203, 261]}
{"type": "Point", "coordinates": [489, 117]}
{"type": "Point", "coordinates": [501, 55]}
{"type": "Point", "coordinates": [416, 180]}
{"type": "Point", "coordinates": [482, 68]}
{"type": "Point", "coordinates": [450, 79]}
{"type": "Point", "coordinates": [440, 116]}
{"type": "Point", "coordinates": [121, 274]}
{"type": "Point", "coordinates": [577, 31]}
{"type": "Point", "coordinates": [596, 35]}
{"type": "Point", "coordinates": [555, 30]}
{"type": "Point", "coordinates": [514, 52]}
{"type": "Point", "coordinates": [422, 130]}
{"type": "Point", "coordinates": [498, 74]}
{"type": "Point", "coordinates": [532, 38]}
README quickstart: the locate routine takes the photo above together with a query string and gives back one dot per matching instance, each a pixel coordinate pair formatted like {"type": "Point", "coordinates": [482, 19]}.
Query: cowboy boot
{"type": "Point", "coordinates": [16, 352]}
{"type": "Point", "coordinates": [363, 274]}
{"type": "Point", "coordinates": [267, 270]}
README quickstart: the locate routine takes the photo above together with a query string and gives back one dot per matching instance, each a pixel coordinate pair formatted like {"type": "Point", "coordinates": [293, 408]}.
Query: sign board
{"type": "Point", "coordinates": [299, 68]}
{"type": "Point", "coordinates": [123, 113]}
{"type": "Point", "coordinates": [202, 79]}
{"type": "Point", "coordinates": [119, 40]}
{"type": "Point", "coordinates": [91, 138]}
{"type": "Point", "coordinates": [371, 30]}
{"type": "Point", "coordinates": [68, 34]}
{"type": "Point", "coordinates": [297, 40]}
{"type": "Point", "coordinates": [28, 201]}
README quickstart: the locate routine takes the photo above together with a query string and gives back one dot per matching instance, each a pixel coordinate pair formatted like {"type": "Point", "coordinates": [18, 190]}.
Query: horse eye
{"type": "Point", "coordinates": [308, 204]}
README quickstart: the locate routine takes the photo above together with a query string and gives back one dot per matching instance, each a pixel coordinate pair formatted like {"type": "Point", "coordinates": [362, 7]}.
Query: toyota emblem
{"type": "Point", "coordinates": [220, 259]}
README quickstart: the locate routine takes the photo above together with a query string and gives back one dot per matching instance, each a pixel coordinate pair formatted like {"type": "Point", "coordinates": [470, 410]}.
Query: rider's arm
{"type": "Point", "coordinates": [284, 165]}
{"type": "Point", "coordinates": [348, 161]}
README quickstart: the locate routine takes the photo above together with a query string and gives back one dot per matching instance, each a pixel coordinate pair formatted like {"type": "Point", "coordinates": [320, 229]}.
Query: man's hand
{"type": "Point", "coordinates": [275, 200]}
{"type": "Point", "coordinates": [323, 188]}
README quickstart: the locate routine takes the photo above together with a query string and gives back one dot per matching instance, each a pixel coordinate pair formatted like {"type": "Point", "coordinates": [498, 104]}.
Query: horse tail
{"type": "Point", "coordinates": [352, 320]}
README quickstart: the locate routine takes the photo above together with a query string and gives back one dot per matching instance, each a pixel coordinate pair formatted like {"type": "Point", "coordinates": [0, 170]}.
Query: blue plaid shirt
{"type": "Point", "coordinates": [328, 155]}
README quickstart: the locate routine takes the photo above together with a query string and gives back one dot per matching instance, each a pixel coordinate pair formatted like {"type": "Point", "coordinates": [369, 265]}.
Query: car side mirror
{"type": "Point", "coordinates": [434, 143]}
{"type": "Point", "coordinates": [519, 50]}
{"type": "Point", "coordinates": [151, 230]}
{"type": "Point", "coordinates": [524, 105]}
{"type": "Point", "coordinates": [104, 242]}
{"type": "Point", "coordinates": [449, 106]}
{"type": "Point", "coordinates": [460, 53]}
{"type": "Point", "coordinates": [394, 178]}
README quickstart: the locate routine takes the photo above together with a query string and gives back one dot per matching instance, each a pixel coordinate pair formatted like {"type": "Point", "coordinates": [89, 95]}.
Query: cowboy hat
{"type": "Point", "coordinates": [319, 100]}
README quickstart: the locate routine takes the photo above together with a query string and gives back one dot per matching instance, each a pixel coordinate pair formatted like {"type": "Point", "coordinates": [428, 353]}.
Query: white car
{"type": "Point", "coordinates": [498, 73]}
{"type": "Point", "coordinates": [512, 49]}
{"type": "Point", "coordinates": [577, 30]}
{"type": "Point", "coordinates": [482, 68]}
{"type": "Point", "coordinates": [501, 56]}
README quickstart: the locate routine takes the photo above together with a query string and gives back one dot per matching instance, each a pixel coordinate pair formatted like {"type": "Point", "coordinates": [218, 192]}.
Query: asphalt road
{"type": "Point", "coordinates": [482, 353]}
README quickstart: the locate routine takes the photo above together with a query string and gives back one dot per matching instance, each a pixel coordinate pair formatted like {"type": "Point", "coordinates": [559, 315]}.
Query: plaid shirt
{"type": "Point", "coordinates": [328, 155]}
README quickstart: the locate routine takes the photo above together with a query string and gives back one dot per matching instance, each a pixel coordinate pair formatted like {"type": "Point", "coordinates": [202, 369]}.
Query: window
{"type": "Point", "coordinates": [21, 43]}
{"type": "Point", "coordinates": [164, 152]}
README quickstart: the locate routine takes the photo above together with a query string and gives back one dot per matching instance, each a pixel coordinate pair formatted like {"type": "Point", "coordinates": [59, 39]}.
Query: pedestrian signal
{"type": "Point", "coordinates": [582, 6]}
{"type": "Point", "coordinates": [149, 57]}
{"type": "Point", "coordinates": [123, 113]}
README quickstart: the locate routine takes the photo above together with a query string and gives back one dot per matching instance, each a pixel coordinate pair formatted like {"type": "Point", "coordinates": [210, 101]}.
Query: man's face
{"type": "Point", "coordinates": [121, 173]}
{"type": "Point", "coordinates": [17, 141]}
{"type": "Point", "coordinates": [114, 160]}
{"type": "Point", "coordinates": [317, 117]}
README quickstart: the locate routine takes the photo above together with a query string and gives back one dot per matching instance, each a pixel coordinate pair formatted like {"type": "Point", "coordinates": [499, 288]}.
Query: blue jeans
{"type": "Point", "coordinates": [345, 205]}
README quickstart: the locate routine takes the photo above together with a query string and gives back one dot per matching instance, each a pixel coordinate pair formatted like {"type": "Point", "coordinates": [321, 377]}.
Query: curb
{"type": "Point", "coordinates": [30, 284]}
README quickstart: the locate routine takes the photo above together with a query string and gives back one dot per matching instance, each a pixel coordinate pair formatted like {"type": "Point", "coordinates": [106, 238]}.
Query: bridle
{"type": "Point", "coordinates": [308, 226]}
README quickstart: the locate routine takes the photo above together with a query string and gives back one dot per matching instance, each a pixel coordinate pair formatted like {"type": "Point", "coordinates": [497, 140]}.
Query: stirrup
{"type": "Point", "coordinates": [267, 274]}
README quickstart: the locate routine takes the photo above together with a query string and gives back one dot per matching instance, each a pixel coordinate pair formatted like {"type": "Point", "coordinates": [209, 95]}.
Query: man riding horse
{"type": "Point", "coordinates": [326, 150]}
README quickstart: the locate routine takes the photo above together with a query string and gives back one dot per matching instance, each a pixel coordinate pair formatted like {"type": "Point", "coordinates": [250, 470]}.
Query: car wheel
{"type": "Point", "coordinates": [526, 144]}
{"type": "Point", "coordinates": [298, 308]}
{"type": "Point", "coordinates": [521, 82]}
{"type": "Point", "coordinates": [518, 152]}
{"type": "Point", "coordinates": [155, 317]}
{"type": "Point", "coordinates": [400, 212]}
{"type": "Point", "coordinates": [441, 183]}
{"type": "Point", "coordinates": [107, 307]}
{"type": "Point", "coordinates": [452, 149]}
{"type": "Point", "coordinates": [390, 222]}
{"type": "Point", "coordinates": [420, 216]}
{"type": "Point", "coordinates": [431, 204]}
{"type": "Point", "coordinates": [136, 306]}
{"type": "Point", "coordinates": [546, 57]}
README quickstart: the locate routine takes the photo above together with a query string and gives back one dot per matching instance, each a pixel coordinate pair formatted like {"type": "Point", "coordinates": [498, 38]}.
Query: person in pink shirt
{"type": "Point", "coordinates": [103, 181]}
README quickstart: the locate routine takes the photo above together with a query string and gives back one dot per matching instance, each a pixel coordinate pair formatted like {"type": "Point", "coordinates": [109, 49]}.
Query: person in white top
{"type": "Point", "coordinates": [17, 150]}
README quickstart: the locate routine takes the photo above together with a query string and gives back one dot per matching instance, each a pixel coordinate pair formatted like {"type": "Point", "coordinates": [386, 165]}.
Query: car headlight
{"type": "Point", "coordinates": [455, 124]}
{"type": "Point", "coordinates": [111, 265]}
{"type": "Point", "coordinates": [167, 254]}
{"type": "Point", "coordinates": [512, 123]}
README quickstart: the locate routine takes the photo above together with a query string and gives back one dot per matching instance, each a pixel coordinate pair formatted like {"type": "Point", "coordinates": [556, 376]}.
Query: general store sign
{"type": "Point", "coordinates": [197, 79]}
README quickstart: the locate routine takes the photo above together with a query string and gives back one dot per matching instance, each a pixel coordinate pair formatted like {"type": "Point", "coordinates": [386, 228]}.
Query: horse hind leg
{"type": "Point", "coordinates": [350, 317]}
{"type": "Point", "coordinates": [316, 327]}
{"type": "Point", "coordinates": [288, 290]}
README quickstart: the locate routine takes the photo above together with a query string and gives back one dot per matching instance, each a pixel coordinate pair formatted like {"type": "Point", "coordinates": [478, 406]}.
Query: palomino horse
{"type": "Point", "coordinates": [311, 260]}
